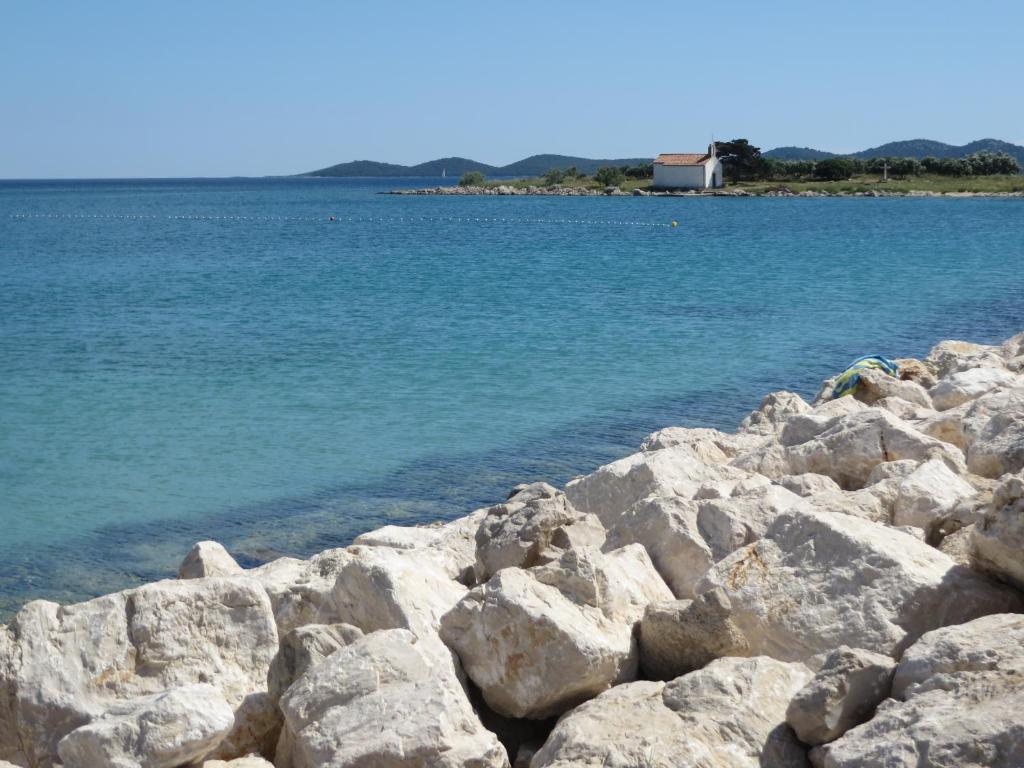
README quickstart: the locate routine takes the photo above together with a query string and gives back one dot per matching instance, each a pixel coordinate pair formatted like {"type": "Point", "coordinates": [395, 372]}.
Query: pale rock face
{"type": "Point", "coordinates": [301, 591]}
{"type": "Point", "coordinates": [728, 524]}
{"type": "Point", "coordinates": [958, 546]}
{"type": "Point", "coordinates": [539, 642]}
{"type": "Point", "coordinates": [513, 534]}
{"type": "Point", "coordinates": [905, 410]}
{"type": "Point", "coordinates": [948, 357]}
{"type": "Point", "coordinates": [667, 528]}
{"type": "Point", "coordinates": [963, 386]}
{"type": "Point", "coordinates": [999, 447]}
{"type": "Point", "coordinates": [208, 558]}
{"type": "Point", "coordinates": [1013, 347]}
{"type": "Point", "coordinates": [615, 487]}
{"type": "Point", "coordinates": [161, 731]}
{"type": "Point", "coordinates": [804, 426]}
{"type": "Point", "coordinates": [775, 408]}
{"type": "Point", "coordinates": [915, 370]}
{"type": "Point", "coordinates": [584, 531]}
{"type": "Point", "coordinates": [303, 648]}
{"type": "Point", "coordinates": [928, 495]}
{"type": "Point", "coordinates": [845, 691]}
{"type": "Point", "coordinates": [958, 694]}
{"type": "Point", "coordinates": [680, 636]}
{"type": "Point", "coordinates": [876, 385]}
{"type": "Point", "coordinates": [384, 588]}
{"type": "Point", "coordinates": [386, 700]}
{"type": "Point", "coordinates": [453, 544]}
{"type": "Point", "coordinates": [818, 580]}
{"type": "Point", "coordinates": [998, 540]}
{"type": "Point", "coordinates": [79, 661]}
{"type": "Point", "coordinates": [710, 445]}
{"type": "Point", "coordinates": [808, 484]}
{"type": "Point", "coordinates": [864, 504]}
{"type": "Point", "coordinates": [851, 448]}
{"type": "Point", "coordinates": [729, 714]}
{"type": "Point", "coordinates": [249, 761]}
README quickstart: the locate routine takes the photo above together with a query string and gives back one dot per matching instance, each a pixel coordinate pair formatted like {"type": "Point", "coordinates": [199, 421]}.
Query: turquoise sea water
{"type": "Point", "coordinates": [282, 384]}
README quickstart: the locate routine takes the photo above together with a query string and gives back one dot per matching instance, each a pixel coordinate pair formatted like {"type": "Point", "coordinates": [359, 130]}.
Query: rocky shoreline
{"type": "Point", "coordinates": [837, 584]}
{"type": "Point", "coordinates": [507, 190]}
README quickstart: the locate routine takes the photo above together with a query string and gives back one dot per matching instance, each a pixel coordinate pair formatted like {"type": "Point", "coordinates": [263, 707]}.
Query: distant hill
{"type": "Point", "coordinates": [535, 165]}
{"type": "Point", "coordinates": [914, 148]}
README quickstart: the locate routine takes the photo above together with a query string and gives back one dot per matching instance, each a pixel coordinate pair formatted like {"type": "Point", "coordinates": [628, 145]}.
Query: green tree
{"type": "Point", "coordinates": [833, 169]}
{"type": "Point", "coordinates": [472, 179]}
{"type": "Point", "coordinates": [554, 176]}
{"type": "Point", "coordinates": [609, 176]}
{"type": "Point", "coordinates": [742, 161]}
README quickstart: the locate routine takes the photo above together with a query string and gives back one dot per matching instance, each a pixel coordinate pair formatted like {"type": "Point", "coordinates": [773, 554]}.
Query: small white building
{"type": "Point", "coordinates": [688, 171]}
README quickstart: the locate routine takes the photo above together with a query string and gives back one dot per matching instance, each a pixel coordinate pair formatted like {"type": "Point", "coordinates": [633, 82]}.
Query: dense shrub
{"type": "Point", "coordinates": [833, 169]}
{"type": "Point", "coordinates": [472, 179]}
{"type": "Point", "coordinates": [609, 176]}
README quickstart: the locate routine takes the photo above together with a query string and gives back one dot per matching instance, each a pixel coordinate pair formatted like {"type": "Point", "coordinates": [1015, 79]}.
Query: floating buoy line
{"type": "Point", "coordinates": [336, 219]}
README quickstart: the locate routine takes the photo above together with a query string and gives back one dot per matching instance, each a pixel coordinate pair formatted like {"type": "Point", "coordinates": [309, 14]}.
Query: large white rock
{"type": "Point", "coordinates": [731, 714]}
{"type": "Point", "coordinates": [845, 691]}
{"type": "Point", "coordinates": [929, 494]}
{"type": "Point", "coordinates": [76, 662]}
{"type": "Point", "coordinates": [808, 484]}
{"type": "Point", "coordinates": [305, 647]}
{"type": "Point", "coordinates": [680, 636]}
{"type": "Point", "coordinates": [876, 385]}
{"type": "Point", "coordinates": [302, 591]}
{"type": "Point", "coordinates": [728, 524]}
{"type": "Point", "coordinates": [850, 448]}
{"type": "Point", "coordinates": [818, 580]}
{"type": "Point", "coordinates": [806, 425]}
{"type": "Point", "coordinates": [514, 534]}
{"type": "Point", "coordinates": [452, 544]}
{"type": "Point", "coordinates": [948, 357]}
{"type": "Point", "coordinates": [666, 526]}
{"type": "Point", "coordinates": [999, 447]}
{"type": "Point", "coordinates": [249, 761]}
{"type": "Point", "coordinates": [612, 489]}
{"type": "Point", "coordinates": [963, 386]}
{"type": "Point", "coordinates": [958, 694]}
{"type": "Point", "coordinates": [775, 408]}
{"type": "Point", "coordinates": [384, 588]}
{"type": "Point", "coordinates": [998, 540]}
{"type": "Point", "coordinates": [161, 731]}
{"type": "Point", "coordinates": [208, 558]}
{"type": "Point", "coordinates": [539, 642]}
{"type": "Point", "coordinates": [389, 699]}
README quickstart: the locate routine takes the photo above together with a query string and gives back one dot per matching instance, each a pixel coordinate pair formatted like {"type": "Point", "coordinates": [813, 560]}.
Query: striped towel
{"type": "Point", "coordinates": [847, 381]}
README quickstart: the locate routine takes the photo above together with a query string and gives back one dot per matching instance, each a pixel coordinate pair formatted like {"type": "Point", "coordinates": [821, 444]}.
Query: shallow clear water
{"type": "Point", "coordinates": [282, 385]}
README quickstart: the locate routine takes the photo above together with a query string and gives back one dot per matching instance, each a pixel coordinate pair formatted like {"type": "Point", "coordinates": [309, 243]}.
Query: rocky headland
{"type": "Point", "coordinates": [837, 584]}
{"type": "Point", "coordinates": [781, 191]}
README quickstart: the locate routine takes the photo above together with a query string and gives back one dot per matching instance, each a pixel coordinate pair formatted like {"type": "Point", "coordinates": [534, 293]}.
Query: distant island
{"type": "Point", "coordinates": [538, 165]}
{"type": "Point", "coordinates": [535, 165]}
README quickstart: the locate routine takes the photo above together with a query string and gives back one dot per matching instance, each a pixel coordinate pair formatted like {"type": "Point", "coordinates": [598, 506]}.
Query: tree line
{"type": "Point", "coordinates": [742, 161]}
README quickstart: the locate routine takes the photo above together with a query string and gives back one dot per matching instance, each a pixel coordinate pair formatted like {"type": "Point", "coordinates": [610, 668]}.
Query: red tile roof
{"type": "Point", "coordinates": [682, 159]}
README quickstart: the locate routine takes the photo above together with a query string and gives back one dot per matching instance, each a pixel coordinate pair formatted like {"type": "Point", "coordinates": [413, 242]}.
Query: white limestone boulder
{"type": "Point", "coordinates": [10, 661]}
{"type": "Point", "coordinates": [612, 489]}
{"type": "Point", "coordinates": [876, 385]}
{"type": "Point", "coordinates": [680, 636]}
{"type": "Point", "coordinates": [539, 642]}
{"type": "Point", "coordinates": [775, 408]}
{"type": "Point", "coordinates": [453, 543]}
{"type": "Point", "coordinates": [964, 386]}
{"type": "Point", "coordinates": [301, 591]}
{"type": "Point", "coordinates": [819, 579]}
{"type": "Point", "coordinates": [77, 662]}
{"type": "Point", "coordinates": [999, 447]}
{"type": "Point", "coordinates": [161, 731]}
{"type": "Point", "coordinates": [709, 445]}
{"type": "Point", "coordinates": [666, 526]}
{"type": "Point", "coordinates": [998, 540]}
{"type": "Point", "coordinates": [958, 694]}
{"type": "Point", "coordinates": [928, 495]}
{"type": "Point", "coordinates": [729, 714]}
{"type": "Point", "coordinates": [305, 647]}
{"type": "Point", "coordinates": [808, 484]}
{"type": "Point", "coordinates": [806, 425]}
{"type": "Point", "coordinates": [387, 699]}
{"type": "Point", "coordinates": [384, 588]}
{"type": "Point", "coordinates": [850, 448]}
{"type": "Point", "coordinates": [844, 693]}
{"type": "Point", "coordinates": [515, 533]}
{"type": "Point", "coordinates": [249, 761]}
{"type": "Point", "coordinates": [728, 524]}
{"type": "Point", "coordinates": [208, 558]}
{"type": "Point", "coordinates": [948, 357]}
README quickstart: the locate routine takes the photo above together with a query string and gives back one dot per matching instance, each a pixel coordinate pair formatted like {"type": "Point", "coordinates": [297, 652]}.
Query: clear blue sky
{"type": "Point", "coordinates": [188, 88]}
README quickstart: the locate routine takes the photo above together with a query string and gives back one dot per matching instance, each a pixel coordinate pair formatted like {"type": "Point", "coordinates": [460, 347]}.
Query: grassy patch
{"type": "Point", "coordinates": [924, 183]}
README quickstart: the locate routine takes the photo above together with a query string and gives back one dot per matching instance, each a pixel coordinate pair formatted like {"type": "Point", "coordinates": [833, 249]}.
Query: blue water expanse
{"type": "Point", "coordinates": [283, 384]}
